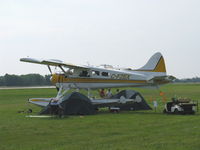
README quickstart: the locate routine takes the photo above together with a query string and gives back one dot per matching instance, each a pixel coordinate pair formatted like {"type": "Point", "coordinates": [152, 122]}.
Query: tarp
{"type": "Point", "coordinates": [138, 104]}
{"type": "Point", "coordinates": [74, 104]}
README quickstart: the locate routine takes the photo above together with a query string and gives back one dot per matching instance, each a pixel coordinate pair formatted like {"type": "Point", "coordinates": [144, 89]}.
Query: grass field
{"type": "Point", "coordinates": [135, 130]}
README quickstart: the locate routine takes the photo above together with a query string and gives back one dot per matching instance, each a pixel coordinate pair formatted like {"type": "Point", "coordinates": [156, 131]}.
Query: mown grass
{"type": "Point", "coordinates": [141, 130]}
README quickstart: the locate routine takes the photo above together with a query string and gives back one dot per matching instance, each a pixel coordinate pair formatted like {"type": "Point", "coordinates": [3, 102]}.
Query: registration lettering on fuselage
{"type": "Point", "coordinates": [120, 76]}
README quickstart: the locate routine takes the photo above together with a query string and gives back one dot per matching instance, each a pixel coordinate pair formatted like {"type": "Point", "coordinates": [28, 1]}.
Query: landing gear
{"type": "Point", "coordinates": [61, 92]}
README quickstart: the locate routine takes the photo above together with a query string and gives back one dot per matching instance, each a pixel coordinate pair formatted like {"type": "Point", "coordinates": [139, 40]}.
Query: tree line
{"type": "Point", "coordinates": [195, 79]}
{"type": "Point", "coordinates": [24, 80]}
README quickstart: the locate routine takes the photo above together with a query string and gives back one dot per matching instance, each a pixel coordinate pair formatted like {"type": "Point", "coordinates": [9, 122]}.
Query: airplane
{"type": "Point", "coordinates": [152, 74]}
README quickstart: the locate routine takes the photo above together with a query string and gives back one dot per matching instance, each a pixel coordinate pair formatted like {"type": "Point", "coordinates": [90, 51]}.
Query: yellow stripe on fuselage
{"type": "Point", "coordinates": [62, 79]}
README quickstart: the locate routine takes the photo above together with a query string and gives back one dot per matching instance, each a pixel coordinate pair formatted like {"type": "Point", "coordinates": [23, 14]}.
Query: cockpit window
{"type": "Point", "coordinates": [70, 71]}
{"type": "Point", "coordinates": [97, 73]}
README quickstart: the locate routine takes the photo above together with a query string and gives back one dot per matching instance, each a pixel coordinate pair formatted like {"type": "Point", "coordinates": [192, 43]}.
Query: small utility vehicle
{"type": "Point", "coordinates": [180, 106]}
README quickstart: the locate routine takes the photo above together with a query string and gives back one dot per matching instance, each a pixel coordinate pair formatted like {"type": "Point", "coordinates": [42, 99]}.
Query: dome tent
{"type": "Point", "coordinates": [138, 104]}
{"type": "Point", "coordinates": [74, 104]}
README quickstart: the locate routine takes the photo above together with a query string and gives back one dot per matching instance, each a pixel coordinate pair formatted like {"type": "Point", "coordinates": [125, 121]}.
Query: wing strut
{"type": "Point", "coordinates": [62, 69]}
{"type": "Point", "coordinates": [49, 69]}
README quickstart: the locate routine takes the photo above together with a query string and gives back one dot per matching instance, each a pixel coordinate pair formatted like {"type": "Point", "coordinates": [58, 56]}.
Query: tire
{"type": "Point", "coordinates": [176, 111]}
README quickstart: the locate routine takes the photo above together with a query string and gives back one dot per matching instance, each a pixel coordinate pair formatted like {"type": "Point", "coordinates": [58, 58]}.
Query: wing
{"type": "Point", "coordinates": [52, 62]}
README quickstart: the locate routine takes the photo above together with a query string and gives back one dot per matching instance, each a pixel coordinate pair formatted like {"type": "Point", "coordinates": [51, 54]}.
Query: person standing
{"type": "Point", "coordinates": [109, 93]}
{"type": "Point", "coordinates": [155, 105]}
{"type": "Point", "coordinates": [102, 93]}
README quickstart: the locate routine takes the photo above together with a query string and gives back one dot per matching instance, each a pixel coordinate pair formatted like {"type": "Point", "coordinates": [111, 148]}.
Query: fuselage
{"type": "Point", "coordinates": [97, 78]}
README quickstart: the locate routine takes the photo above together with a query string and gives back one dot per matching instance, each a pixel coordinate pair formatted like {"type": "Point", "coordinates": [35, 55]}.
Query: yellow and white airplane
{"type": "Point", "coordinates": [152, 74]}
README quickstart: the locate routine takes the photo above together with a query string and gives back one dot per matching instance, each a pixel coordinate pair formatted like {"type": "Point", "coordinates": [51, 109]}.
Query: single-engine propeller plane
{"type": "Point", "coordinates": [152, 74]}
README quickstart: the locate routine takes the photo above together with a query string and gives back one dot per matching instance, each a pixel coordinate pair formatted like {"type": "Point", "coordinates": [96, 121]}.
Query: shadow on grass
{"type": "Point", "coordinates": [107, 112]}
{"type": "Point", "coordinates": [130, 112]}
{"type": "Point", "coordinates": [148, 112]}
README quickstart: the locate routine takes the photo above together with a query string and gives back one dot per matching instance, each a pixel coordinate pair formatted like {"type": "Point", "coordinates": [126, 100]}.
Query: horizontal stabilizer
{"type": "Point", "coordinates": [161, 79]}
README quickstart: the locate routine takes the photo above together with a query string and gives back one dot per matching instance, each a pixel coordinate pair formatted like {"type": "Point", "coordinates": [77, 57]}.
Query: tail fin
{"type": "Point", "coordinates": [155, 64]}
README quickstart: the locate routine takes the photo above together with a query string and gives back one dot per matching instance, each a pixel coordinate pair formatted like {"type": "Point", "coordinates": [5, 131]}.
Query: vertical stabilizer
{"type": "Point", "coordinates": [155, 64]}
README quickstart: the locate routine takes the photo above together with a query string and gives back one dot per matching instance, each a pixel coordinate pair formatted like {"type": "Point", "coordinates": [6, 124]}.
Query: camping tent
{"type": "Point", "coordinates": [74, 104]}
{"type": "Point", "coordinates": [78, 104]}
{"type": "Point", "coordinates": [138, 104]}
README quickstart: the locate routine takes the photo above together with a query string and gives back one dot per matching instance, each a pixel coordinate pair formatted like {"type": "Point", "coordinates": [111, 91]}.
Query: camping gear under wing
{"type": "Point", "coordinates": [138, 104]}
{"type": "Point", "coordinates": [74, 104]}
{"type": "Point", "coordinates": [78, 104]}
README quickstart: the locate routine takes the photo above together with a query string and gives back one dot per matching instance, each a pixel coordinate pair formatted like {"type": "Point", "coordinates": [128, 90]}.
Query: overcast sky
{"type": "Point", "coordinates": [123, 33]}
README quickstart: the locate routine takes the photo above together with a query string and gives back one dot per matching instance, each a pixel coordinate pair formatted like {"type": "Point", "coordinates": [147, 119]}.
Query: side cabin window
{"type": "Point", "coordinates": [105, 74]}
{"type": "Point", "coordinates": [84, 73]}
{"type": "Point", "coordinates": [95, 73]}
